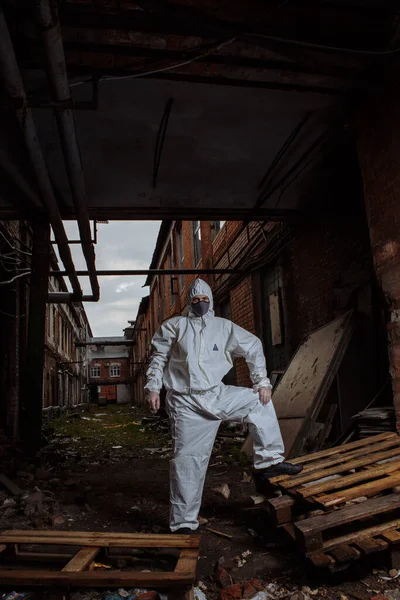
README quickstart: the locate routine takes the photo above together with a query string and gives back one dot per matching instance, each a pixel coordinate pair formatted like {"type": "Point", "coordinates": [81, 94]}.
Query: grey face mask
{"type": "Point", "coordinates": [201, 308]}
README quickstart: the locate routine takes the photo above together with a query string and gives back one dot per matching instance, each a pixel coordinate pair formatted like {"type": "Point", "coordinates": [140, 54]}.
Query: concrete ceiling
{"type": "Point", "coordinates": [233, 105]}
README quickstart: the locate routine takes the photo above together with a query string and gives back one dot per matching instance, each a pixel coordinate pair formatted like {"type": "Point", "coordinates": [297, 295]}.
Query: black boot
{"type": "Point", "coordinates": [262, 476]}
{"type": "Point", "coordinates": [184, 531]}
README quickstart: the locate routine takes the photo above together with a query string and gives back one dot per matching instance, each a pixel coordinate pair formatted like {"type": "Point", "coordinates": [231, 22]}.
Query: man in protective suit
{"type": "Point", "coordinates": [191, 355]}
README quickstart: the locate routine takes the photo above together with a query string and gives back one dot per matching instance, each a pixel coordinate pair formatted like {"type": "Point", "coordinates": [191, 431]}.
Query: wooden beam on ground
{"type": "Point", "coordinates": [82, 560]}
{"type": "Point", "coordinates": [114, 579]}
{"type": "Point", "coordinates": [106, 540]}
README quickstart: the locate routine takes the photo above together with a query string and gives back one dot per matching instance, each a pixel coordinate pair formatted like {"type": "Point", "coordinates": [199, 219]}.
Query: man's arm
{"type": "Point", "coordinates": [246, 345]}
{"type": "Point", "coordinates": [162, 343]}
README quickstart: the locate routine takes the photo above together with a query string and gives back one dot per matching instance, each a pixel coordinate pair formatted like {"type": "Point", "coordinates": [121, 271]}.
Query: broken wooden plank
{"type": "Point", "coordinates": [330, 461]}
{"type": "Point", "coordinates": [321, 560]}
{"type": "Point", "coordinates": [322, 454]}
{"type": "Point", "coordinates": [368, 489]}
{"type": "Point", "coordinates": [345, 553]}
{"type": "Point", "coordinates": [187, 561]}
{"type": "Point", "coordinates": [94, 579]}
{"type": "Point", "coordinates": [347, 480]}
{"type": "Point", "coordinates": [112, 540]}
{"type": "Point", "coordinates": [10, 485]}
{"type": "Point", "coordinates": [352, 538]}
{"type": "Point", "coordinates": [337, 469]}
{"type": "Point", "coordinates": [309, 532]}
{"type": "Point", "coordinates": [392, 537]}
{"type": "Point", "coordinates": [220, 533]}
{"type": "Point", "coordinates": [280, 509]}
{"type": "Point", "coordinates": [371, 545]}
{"type": "Point", "coordinates": [82, 559]}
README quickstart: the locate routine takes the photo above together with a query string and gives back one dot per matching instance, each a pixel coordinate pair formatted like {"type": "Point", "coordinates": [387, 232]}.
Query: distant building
{"type": "Point", "coordinates": [65, 367]}
{"type": "Point", "coordinates": [109, 369]}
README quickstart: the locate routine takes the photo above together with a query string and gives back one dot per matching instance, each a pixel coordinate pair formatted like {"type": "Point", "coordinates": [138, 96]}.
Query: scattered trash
{"type": "Point", "coordinates": [246, 554]}
{"type": "Point", "coordinates": [101, 566]}
{"type": "Point", "coordinates": [247, 478]}
{"type": "Point", "coordinates": [116, 447]}
{"type": "Point", "coordinates": [223, 490]}
{"type": "Point", "coordinates": [199, 594]}
{"type": "Point", "coordinates": [16, 596]}
{"type": "Point", "coordinates": [202, 521]}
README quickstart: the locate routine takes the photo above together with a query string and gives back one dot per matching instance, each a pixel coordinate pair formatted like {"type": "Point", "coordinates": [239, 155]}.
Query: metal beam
{"type": "Point", "coordinates": [143, 272]}
{"type": "Point", "coordinates": [105, 343]}
{"type": "Point", "coordinates": [57, 72]}
{"type": "Point", "coordinates": [212, 58]}
{"type": "Point", "coordinates": [205, 79]}
{"type": "Point", "coordinates": [15, 88]}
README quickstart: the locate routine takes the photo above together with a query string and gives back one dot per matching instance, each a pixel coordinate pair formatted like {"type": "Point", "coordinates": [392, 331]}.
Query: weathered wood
{"type": "Point", "coordinates": [368, 489]}
{"type": "Point", "coordinates": [392, 537]}
{"type": "Point", "coordinates": [347, 480]}
{"type": "Point", "coordinates": [309, 532]}
{"type": "Point", "coordinates": [371, 545]}
{"type": "Point", "coordinates": [337, 469]}
{"type": "Point", "coordinates": [187, 561]}
{"type": "Point", "coordinates": [305, 383]}
{"type": "Point", "coordinates": [320, 560]}
{"type": "Point", "coordinates": [3, 547]}
{"type": "Point", "coordinates": [82, 560]}
{"type": "Point", "coordinates": [352, 538]}
{"type": "Point", "coordinates": [114, 540]}
{"type": "Point", "coordinates": [280, 509]}
{"type": "Point", "coordinates": [94, 579]}
{"type": "Point", "coordinates": [314, 456]}
{"type": "Point", "coordinates": [345, 553]}
{"type": "Point", "coordinates": [335, 459]}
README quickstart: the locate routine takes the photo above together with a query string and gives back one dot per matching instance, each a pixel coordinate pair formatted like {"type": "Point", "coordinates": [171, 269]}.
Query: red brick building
{"type": "Point", "coordinates": [109, 374]}
{"type": "Point", "coordinates": [313, 270]}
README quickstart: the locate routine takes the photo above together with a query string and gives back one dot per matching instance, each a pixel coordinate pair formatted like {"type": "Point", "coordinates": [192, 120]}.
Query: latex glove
{"type": "Point", "coordinates": [153, 401]}
{"type": "Point", "coordinates": [265, 395]}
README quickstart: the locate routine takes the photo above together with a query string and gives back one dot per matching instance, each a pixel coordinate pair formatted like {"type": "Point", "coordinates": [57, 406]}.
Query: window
{"type": "Point", "coordinates": [95, 371]}
{"type": "Point", "coordinates": [180, 257]}
{"type": "Point", "coordinates": [216, 227]}
{"type": "Point", "coordinates": [196, 242]}
{"type": "Point", "coordinates": [115, 370]}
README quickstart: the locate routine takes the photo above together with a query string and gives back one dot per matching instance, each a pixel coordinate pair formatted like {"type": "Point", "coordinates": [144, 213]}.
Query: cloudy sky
{"type": "Point", "coordinates": [121, 245]}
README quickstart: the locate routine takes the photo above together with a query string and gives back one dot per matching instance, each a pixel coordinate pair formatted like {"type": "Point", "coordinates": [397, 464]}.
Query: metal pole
{"type": "Point", "coordinates": [143, 272]}
{"type": "Point", "coordinates": [32, 394]}
{"type": "Point", "coordinates": [57, 72]}
{"type": "Point", "coordinates": [15, 87]}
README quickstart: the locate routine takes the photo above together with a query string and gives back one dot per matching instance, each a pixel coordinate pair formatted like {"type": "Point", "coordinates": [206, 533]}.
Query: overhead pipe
{"type": "Point", "coordinates": [15, 87]}
{"type": "Point", "coordinates": [143, 272]}
{"type": "Point", "coordinates": [50, 30]}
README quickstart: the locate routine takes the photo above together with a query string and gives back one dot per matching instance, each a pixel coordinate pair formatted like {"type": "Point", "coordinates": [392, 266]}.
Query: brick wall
{"type": "Point", "coordinates": [324, 266]}
{"type": "Point", "coordinates": [241, 303]}
{"type": "Point", "coordinates": [378, 140]}
{"type": "Point", "coordinates": [105, 364]}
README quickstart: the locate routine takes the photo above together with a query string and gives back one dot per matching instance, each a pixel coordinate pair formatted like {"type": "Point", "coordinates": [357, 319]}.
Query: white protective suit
{"type": "Point", "coordinates": [191, 356]}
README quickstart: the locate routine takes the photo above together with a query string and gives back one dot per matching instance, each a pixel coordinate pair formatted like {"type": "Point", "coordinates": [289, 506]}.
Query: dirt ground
{"type": "Point", "coordinates": [107, 470]}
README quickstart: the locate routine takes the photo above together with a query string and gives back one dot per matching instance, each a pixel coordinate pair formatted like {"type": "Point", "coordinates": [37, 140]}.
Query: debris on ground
{"type": "Point", "coordinates": [223, 490]}
{"type": "Point", "coordinates": [80, 482]}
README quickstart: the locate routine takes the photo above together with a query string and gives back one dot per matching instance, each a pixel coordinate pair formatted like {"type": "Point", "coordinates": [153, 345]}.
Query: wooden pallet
{"type": "Point", "coordinates": [339, 475]}
{"type": "Point", "coordinates": [82, 549]}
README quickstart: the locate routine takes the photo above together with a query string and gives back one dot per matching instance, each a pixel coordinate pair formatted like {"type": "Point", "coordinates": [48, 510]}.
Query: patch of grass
{"type": "Point", "coordinates": [106, 427]}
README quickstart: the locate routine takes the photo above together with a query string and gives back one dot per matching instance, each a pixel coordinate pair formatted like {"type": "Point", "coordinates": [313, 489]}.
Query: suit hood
{"type": "Point", "coordinates": [200, 288]}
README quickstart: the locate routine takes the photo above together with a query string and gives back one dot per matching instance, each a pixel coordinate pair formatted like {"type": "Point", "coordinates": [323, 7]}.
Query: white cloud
{"type": "Point", "coordinates": [121, 245]}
